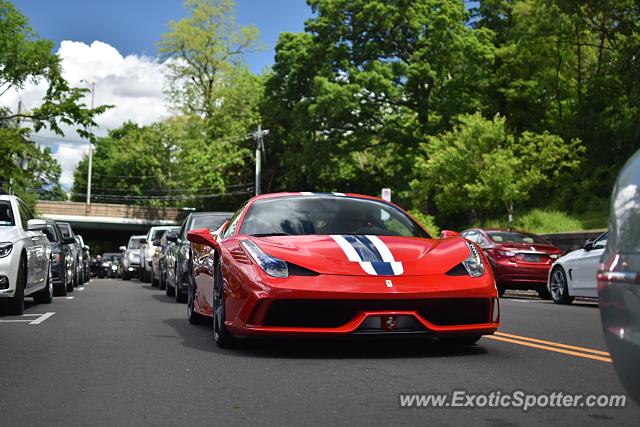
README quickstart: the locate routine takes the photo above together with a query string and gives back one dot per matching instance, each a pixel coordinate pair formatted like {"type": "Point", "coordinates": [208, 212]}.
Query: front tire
{"type": "Point", "coordinates": [194, 317]}
{"type": "Point", "coordinates": [559, 286]}
{"type": "Point", "coordinates": [221, 335]}
{"type": "Point", "coordinates": [15, 305]}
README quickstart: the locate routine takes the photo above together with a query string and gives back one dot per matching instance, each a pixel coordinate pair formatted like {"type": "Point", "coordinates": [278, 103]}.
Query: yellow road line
{"type": "Point", "coordinates": [555, 344]}
{"type": "Point", "coordinates": [545, 347]}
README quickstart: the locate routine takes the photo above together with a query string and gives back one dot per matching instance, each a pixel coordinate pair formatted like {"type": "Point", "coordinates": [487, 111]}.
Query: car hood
{"type": "Point", "coordinates": [9, 234]}
{"type": "Point", "coordinates": [380, 255]}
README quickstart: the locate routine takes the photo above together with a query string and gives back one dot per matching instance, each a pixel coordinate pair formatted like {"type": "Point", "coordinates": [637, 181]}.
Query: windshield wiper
{"type": "Point", "coordinates": [270, 234]}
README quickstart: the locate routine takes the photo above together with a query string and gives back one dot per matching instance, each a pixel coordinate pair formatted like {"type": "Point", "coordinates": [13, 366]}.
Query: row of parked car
{"type": "Point", "coordinates": [522, 260]}
{"type": "Point", "coordinates": [38, 257]}
{"type": "Point", "coordinates": [162, 256]}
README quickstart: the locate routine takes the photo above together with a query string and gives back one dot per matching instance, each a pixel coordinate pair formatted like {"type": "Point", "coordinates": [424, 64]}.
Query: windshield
{"type": "Point", "coordinates": [6, 214]}
{"type": "Point", "coordinates": [135, 243]}
{"type": "Point", "coordinates": [516, 237]}
{"type": "Point", "coordinates": [328, 215]}
{"type": "Point", "coordinates": [65, 230]}
{"type": "Point", "coordinates": [212, 222]}
{"type": "Point", "coordinates": [157, 234]}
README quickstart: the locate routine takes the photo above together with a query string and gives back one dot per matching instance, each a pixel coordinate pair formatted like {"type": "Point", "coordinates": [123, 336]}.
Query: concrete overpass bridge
{"type": "Point", "coordinates": [107, 226]}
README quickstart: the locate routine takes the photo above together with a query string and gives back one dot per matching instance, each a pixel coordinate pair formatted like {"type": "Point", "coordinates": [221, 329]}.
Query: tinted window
{"type": "Point", "coordinates": [6, 214]}
{"type": "Point", "coordinates": [515, 237]}
{"type": "Point", "coordinates": [50, 232]}
{"type": "Point", "coordinates": [157, 234]}
{"type": "Point", "coordinates": [212, 222]}
{"type": "Point", "coordinates": [328, 215]}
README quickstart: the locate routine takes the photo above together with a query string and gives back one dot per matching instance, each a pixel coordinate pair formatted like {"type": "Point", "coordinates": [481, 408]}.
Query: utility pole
{"type": "Point", "coordinates": [93, 91]}
{"type": "Point", "coordinates": [259, 137]}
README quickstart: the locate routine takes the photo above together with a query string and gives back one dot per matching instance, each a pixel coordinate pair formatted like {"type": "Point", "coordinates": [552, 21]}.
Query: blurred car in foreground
{"type": "Point", "coordinates": [158, 260]}
{"type": "Point", "coordinates": [179, 274]}
{"type": "Point", "coordinates": [619, 278]}
{"type": "Point", "coordinates": [131, 257]}
{"type": "Point", "coordinates": [25, 257]}
{"type": "Point", "coordinates": [574, 274]}
{"type": "Point", "coordinates": [61, 254]}
{"type": "Point", "coordinates": [519, 260]}
{"type": "Point", "coordinates": [305, 264]}
{"type": "Point", "coordinates": [147, 252]}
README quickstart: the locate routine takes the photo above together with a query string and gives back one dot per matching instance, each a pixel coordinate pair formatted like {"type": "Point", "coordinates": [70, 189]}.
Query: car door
{"type": "Point", "coordinates": [35, 244]}
{"type": "Point", "coordinates": [585, 268]}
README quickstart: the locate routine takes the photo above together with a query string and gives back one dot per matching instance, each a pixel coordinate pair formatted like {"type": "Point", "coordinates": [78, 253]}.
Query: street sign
{"type": "Point", "coordinates": [386, 194]}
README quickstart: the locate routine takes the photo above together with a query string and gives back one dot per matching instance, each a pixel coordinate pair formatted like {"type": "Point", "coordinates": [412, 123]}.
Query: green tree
{"type": "Point", "coordinates": [26, 58]}
{"type": "Point", "coordinates": [480, 166]}
{"type": "Point", "coordinates": [204, 49]}
{"type": "Point", "coordinates": [349, 100]}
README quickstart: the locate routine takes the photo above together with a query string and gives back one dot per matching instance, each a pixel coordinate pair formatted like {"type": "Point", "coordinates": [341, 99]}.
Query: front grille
{"type": "Point", "coordinates": [335, 313]}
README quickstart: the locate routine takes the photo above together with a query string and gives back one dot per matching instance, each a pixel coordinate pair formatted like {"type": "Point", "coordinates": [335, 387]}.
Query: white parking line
{"type": "Point", "coordinates": [42, 318]}
{"type": "Point", "coordinates": [81, 288]}
{"type": "Point", "coordinates": [69, 297]}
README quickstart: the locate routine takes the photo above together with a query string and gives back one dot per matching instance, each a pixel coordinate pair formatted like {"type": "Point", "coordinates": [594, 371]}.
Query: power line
{"type": "Point", "coordinates": [149, 198]}
{"type": "Point", "coordinates": [168, 190]}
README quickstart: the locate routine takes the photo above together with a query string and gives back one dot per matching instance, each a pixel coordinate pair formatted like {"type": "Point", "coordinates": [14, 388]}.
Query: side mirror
{"type": "Point", "coordinates": [445, 234]}
{"type": "Point", "coordinates": [172, 236]}
{"type": "Point", "coordinates": [202, 236]}
{"type": "Point", "coordinates": [36, 224]}
{"type": "Point", "coordinates": [588, 245]}
{"type": "Point", "coordinates": [122, 248]}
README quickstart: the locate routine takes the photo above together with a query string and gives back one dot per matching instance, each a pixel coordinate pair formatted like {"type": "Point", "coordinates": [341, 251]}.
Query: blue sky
{"type": "Point", "coordinates": [134, 26]}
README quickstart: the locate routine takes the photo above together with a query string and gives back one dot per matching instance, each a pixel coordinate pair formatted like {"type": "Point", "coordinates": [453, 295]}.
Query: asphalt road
{"type": "Point", "coordinates": [122, 353]}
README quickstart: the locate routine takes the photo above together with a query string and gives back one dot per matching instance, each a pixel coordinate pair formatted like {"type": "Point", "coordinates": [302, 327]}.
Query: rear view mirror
{"type": "Point", "coordinates": [588, 245]}
{"type": "Point", "coordinates": [445, 234]}
{"type": "Point", "coordinates": [202, 236]}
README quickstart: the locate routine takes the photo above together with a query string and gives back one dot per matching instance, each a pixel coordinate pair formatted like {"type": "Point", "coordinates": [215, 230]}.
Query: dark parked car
{"type": "Point", "coordinates": [519, 260]}
{"type": "Point", "coordinates": [76, 252]}
{"type": "Point", "coordinates": [164, 248]}
{"type": "Point", "coordinates": [110, 265]}
{"type": "Point", "coordinates": [179, 274]}
{"type": "Point", "coordinates": [61, 258]}
{"type": "Point", "coordinates": [86, 259]}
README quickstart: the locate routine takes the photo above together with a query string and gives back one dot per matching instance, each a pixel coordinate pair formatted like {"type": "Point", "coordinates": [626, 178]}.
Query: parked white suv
{"type": "Point", "coordinates": [147, 251]}
{"type": "Point", "coordinates": [25, 257]}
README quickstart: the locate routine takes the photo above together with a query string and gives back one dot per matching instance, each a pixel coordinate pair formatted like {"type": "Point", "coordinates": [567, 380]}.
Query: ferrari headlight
{"type": "Point", "coordinates": [272, 266]}
{"type": "Point", "coordinates": [473, 264]}
{"type": "Point", "coordinates": [5, 249]}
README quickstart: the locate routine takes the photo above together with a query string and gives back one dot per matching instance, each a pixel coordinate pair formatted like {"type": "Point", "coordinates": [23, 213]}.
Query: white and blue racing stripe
{"type": "Point", "coordinates": [309, 193]}
{"type": "Point", "coordinates": [371, 253]}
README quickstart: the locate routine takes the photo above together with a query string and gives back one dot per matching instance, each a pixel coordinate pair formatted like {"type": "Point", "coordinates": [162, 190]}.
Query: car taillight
{"type": "Point", "coordinates": [504, 254]}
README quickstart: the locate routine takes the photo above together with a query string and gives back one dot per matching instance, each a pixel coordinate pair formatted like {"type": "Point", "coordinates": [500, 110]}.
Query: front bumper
{"type": "Point", "coordinates": [346, 305]}
{"type": "Point", "coordinates": [8, 275]}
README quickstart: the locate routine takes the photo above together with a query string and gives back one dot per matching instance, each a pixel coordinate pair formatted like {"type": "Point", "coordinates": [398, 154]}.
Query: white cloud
{"type": "Point", "coordinates": [132, 84]}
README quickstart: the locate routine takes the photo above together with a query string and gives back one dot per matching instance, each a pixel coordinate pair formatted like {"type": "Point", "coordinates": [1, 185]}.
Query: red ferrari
{"type": "Point", "coordinates": [316, 264]}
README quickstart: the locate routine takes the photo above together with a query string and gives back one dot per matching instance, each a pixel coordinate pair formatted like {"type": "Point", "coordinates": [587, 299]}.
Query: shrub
{"type": "Point", "coordinates": [427, 221]}
{"type": "Point", "coordinates": [540, 221]}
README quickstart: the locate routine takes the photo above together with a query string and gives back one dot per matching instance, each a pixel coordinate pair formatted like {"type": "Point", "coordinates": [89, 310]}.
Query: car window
{"type": "Point", "coordinates": [515, 237]}
{"type": "Point", "coordinates": [135, 243]}
{"type": "Point", "coordinates": [50, 232]}
{"type": "Point", "coordinates": [7, 218]}
{"type": "Point", "coordinates": [66, 230]}
{"type": "Point", "coordinates": [471, 235]}
{"type": "Point", "coordinates": [601, 243]}
{"type": "Point", "coordinates": [157, 234]}
{"type": "Point", "coordinates": [212, 222]}
{"type": "Point", "coordinates": [233, 222]}
{"type": "Point", "coordinates": [328, 215]}
{"type": "Point", "coordinates": [25, 214]}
